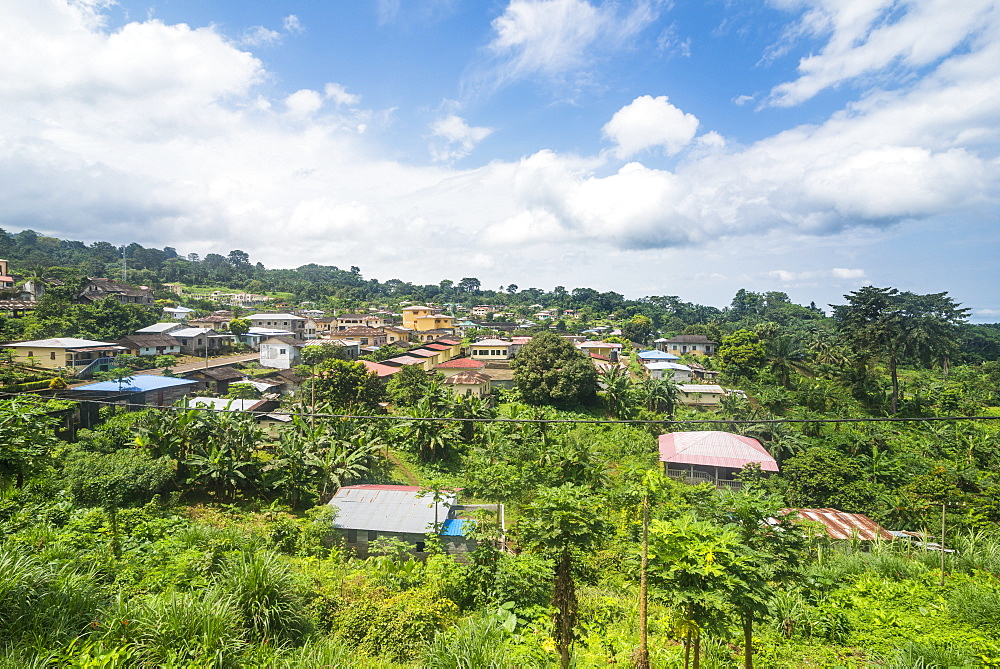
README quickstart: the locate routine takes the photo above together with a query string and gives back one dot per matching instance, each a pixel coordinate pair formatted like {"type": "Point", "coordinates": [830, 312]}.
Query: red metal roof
{"type": "Point", "coordinates": [380, 370]}
{"type": "Point", "coordinates": [841, 525]}
{"type": "Point", "coordinates": [467, 379]}
{"type": "Point", "coordinates": [438, 347]}
{"type": "Point", "coordinates": [382, 486]}
{"type": "Point", "coordinates": [715, 449]}
{"type": "Point", "coordinates": [462, 363]}
{"type": "Point", "coordinates": [422, 352]}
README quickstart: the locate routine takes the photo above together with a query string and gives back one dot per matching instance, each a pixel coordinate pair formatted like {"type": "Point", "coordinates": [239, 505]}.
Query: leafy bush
{"type": "Point", "coordinates": [394, 627]}
{"type": "Point", "coordinates": [478, 642]}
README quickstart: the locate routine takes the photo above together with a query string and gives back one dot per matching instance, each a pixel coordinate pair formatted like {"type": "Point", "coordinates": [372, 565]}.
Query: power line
{"type": "Point", "coordinates": [585, 421]}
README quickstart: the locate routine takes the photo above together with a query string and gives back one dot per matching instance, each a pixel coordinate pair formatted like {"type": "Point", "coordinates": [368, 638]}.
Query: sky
{"type": "Point", "coordinates": [647, 147]}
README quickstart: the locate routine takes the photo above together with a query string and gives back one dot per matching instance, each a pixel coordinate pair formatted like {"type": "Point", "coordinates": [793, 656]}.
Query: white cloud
{"type": "Point", "coordinates": [160, 134]}
{"type": "Point", "coordinates": [292, 25]}
{"type": "Point", "coordinates": [649, 122]}
{"type": "Point", "coordinates": [741, 100]}
{"type": "Point", "coordinates": [553, 37]}
{"type": "Point", "coordinates": [454, 138]}
{"type": "Point", "coordinates": [339, 95]}
{"type": "Point", "coordinates": [261, 36]}
{"type": "Point", "coordinates": [304, 102]}
{"type": "Point", "coordinates": [869, 36]}
{"type": "Point", "coordinates": [813, 275]}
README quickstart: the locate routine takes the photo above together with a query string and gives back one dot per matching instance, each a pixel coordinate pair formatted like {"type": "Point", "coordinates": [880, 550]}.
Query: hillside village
{"type": "Point", "coordinates": [529, 478]}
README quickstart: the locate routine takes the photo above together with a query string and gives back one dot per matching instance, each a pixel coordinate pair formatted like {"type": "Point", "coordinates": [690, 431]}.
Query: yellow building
{"type": "Point", "coordinates": [63, 352]}
{"type": "Point", "coordinates": [421, 319]}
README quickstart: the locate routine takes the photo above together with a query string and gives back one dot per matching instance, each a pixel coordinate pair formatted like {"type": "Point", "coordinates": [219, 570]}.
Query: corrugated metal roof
{"type": "Point", "coordinates": [138, 383]}
{"type": "Point", "coordinates": [715, 449]}
{"type": "Point", "coordinates": [455, 527]}
{"type": "Point", "coordinates": [841, 525]}
{"type": "Point", "coordinates": [385, 508]}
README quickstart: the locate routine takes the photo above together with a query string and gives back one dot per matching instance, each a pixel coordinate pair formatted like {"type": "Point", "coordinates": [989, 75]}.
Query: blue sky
{"type": "Point", "coordinates": [647, 147]}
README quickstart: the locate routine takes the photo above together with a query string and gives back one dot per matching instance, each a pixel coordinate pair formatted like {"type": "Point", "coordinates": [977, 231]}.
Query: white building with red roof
{"type": "Point", "coordinates": [459, 365]}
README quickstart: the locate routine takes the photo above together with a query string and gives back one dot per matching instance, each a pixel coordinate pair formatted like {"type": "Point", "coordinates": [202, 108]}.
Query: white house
{"type": "Point", "coordinates": [281, 352]}
{"type": "Point", "coordinates": [290, 322]}
{"type": "Point", "coordinates": [490, 349]}
{"type": "Point", "coordinates": [668, 370]}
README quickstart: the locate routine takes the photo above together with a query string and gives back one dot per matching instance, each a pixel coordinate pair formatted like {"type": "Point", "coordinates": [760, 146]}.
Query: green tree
{"type": "Point", "coordinates": [695, 566]}
{"type": "Point", "coordinates": [348, 385]}
{"type": "Point", "coordinates": [883, 322]}
{"type": "Point", "coordinates": [410, 384]}
{"type": "Point", "coordinates": [562, 521]}
{"type": "Point", "coordinates": [741, 355]}
{"type": "Point", "coordinates": [27, 437]}
{"type": "Point", "coordinates": [114, 480]}
{"type": "Point", "coordinates": [239, 326]}
{"type": "Point", "coordinates": [639, 328]}
{"type": "Point", "coordinates": [550, 370]}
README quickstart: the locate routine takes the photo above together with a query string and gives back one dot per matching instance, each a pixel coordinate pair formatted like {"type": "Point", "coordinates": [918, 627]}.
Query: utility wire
{"type": "Point", "coordinates": [587, 421]}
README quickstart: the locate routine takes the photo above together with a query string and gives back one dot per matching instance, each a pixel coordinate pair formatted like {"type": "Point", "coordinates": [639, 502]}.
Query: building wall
{"type": "Point", "coordinates": [700, 399]}
{"type": "Point", "coordinates": [279, 356]}
{"type": "Point", "coordinates": [477, 352]}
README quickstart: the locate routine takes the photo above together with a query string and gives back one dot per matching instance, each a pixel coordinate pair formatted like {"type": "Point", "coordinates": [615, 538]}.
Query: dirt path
{"type": "Point", "coordinates": [403, 469]}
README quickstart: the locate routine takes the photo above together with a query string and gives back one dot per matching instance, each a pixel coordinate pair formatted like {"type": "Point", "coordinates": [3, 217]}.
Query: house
{"type": "Point", "coordinates": [151, 344]}
{"type": "Point", "coordinates": [161, 328]}
{"type": "Point", "coordinates": [325, 324]}
{"type": "Point", "coordinates": [490, 349]}
{"type": "Point", "coordinates": [255, 336]}
{"type": "Point", "coordinates": [6, 280]}
{"type": "Point", "coordinates": [199, 341]}
{"type": "Point", "coordinates": [350, 321]}
{"type": "Point", "coordinates": [178, 313]}
{"type": "Point", "coordinates": [840, 525]}
{"type": "Point", "coordinates": [380, 370]}
{"type": "Point", "coordinates": [428, 336]}
{"type": "Point", "coordinates": [17, 308]}
{"type": "Point", "coordinates": [711, 457]}
{"type": "Point", "coordinates": [214, 320]}
{"type": "Point", "coordinates": [422, 319]}
{"type": "Point", "coordinates": [668, 370]}
{"type": "Point", "coordinates": [693, 344]}
{"type": "Point", "coordinates": [460, 365]}
{"type": "Point", "coordinates": [482, 310]}
{"type": "Point", "coordinates": [656, 356]}
{"type": "Point", "coordinates": [365, 336]}
{"type": "Point", "coordinates": [289, 322]}
{"type": "Point", "coordinates": [701, 373]}
{"type": "Point", "coordinates": [366, 513]}
{"type": "Point", "coordinates": [281, 352]}
{"type": "Point", "coordinates": [99, 289]}
{"type": "Point", "coordinates": [216, 379]}
{"type": "Point", "coordinates": [146, 389]}
{"type": "Point", "coordinates": [472, 383]}
{"type": "Point", "coordinates": [351, 348]}
{"type": "Point", "coordinates": [700, 394]}
{"type": "Point", "coordinates": [66, 352]}
{"type": "Point", "coordinates": [609, 350]}
{"type": "Point", "coordinates": [406, 359]}
{"type": "Point", "coordinates": [291, 382]}
{"type": "Point", "coordinates": [394, 334]}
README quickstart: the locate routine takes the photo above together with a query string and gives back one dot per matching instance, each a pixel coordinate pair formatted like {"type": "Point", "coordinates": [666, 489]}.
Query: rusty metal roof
{"type": "Point", "coordinates": [715, 449]}
{"type": "Point", "coordinates": [841, 525]}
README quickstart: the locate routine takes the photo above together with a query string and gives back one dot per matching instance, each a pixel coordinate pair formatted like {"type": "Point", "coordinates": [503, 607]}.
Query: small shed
{"type": "Point", "coordinates": [841, 525]}
{"type": "Point", "coordinates": [711, 457]}
{"type": "Point", "coordinates": [366, 513]}
{"type": "Point", "coordinates": [146, 389]}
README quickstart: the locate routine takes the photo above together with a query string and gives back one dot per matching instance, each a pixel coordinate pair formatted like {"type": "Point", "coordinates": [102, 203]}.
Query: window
{"type": "Point", "coordinates": [352, 536]}
{"type": "Point", "coordinates": [372, 535]}
{"type": "Point", "coordinates": [420, 546]}
{"type": "Point", "coordinates": [52, 355]}
{"type": "Point", "coordinates": [282, 351]}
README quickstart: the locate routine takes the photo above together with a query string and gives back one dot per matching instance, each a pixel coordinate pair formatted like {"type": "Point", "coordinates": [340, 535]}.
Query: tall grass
{"type": "Point", "coordinates": [268, 595]}
{"type": "Point", "coordinates": [919, 655]}
{"type": "Point", "coordinates": [44, 604]}
{"type": "Point", "coordinates": [478, 642]}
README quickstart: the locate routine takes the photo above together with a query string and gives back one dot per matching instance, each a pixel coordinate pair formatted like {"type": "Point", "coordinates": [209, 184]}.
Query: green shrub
{"type": "Point", "coordinates": [478, 642]}
{"type": "Point", "coordinates": [920, 655]}
{"type": "Point", "coordinates": [976, 605]}
{"type": "Point", "coordinates": [394, 627]}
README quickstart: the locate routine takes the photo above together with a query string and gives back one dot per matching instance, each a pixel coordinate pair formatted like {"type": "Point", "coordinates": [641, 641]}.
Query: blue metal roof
{"type": "Point", "coordinates": [138, 383]}
{"type": "Point", "coordinates": [455, 527]}
{"type": "Point", "coordinates": [656, 355]}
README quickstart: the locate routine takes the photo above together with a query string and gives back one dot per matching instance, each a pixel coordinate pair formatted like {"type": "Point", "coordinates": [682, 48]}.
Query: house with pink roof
{"type": "Point", "coordinates": [711, 457]}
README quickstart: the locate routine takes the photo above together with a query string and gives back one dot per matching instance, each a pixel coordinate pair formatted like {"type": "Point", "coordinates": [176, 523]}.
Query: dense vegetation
{"type": "Point", "coordinates": [189, 538]}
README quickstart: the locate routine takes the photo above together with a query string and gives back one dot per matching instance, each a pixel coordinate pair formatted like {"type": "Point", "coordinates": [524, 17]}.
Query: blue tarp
{"type": "Point", "coordinates": [455, 527]}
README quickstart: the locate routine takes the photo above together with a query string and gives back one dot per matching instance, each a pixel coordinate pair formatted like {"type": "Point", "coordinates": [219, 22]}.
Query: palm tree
{"type": "Point", "coordinates": [784, 357]}
{"type": "Point", "coordinates": [617, 391]}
